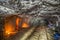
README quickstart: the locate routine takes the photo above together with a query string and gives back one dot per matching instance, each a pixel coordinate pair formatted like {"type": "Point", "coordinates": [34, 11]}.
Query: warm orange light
{"type": "Point", "coordinates": [25, 25]}
{"type": "Point", "coordinates": [8, 32]}
{"type": "Point", "coordinates": [9, 29]}
{"type": "Point", "coordinates": [17, 22]}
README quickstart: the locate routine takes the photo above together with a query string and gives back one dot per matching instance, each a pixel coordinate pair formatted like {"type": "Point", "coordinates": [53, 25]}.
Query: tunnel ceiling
{"type": "Point", "coordinates": [45, 7]}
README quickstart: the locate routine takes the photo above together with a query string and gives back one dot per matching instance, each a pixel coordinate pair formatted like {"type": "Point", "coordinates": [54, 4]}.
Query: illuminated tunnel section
{"type": "Point", "coordinates": [13, 24]}
{"type": "Point", "coordinates": [10, 26]}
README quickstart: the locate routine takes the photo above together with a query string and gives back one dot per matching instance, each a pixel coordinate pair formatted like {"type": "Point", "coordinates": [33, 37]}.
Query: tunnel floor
{"type": "Point", "coordinates": [39, 33]}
